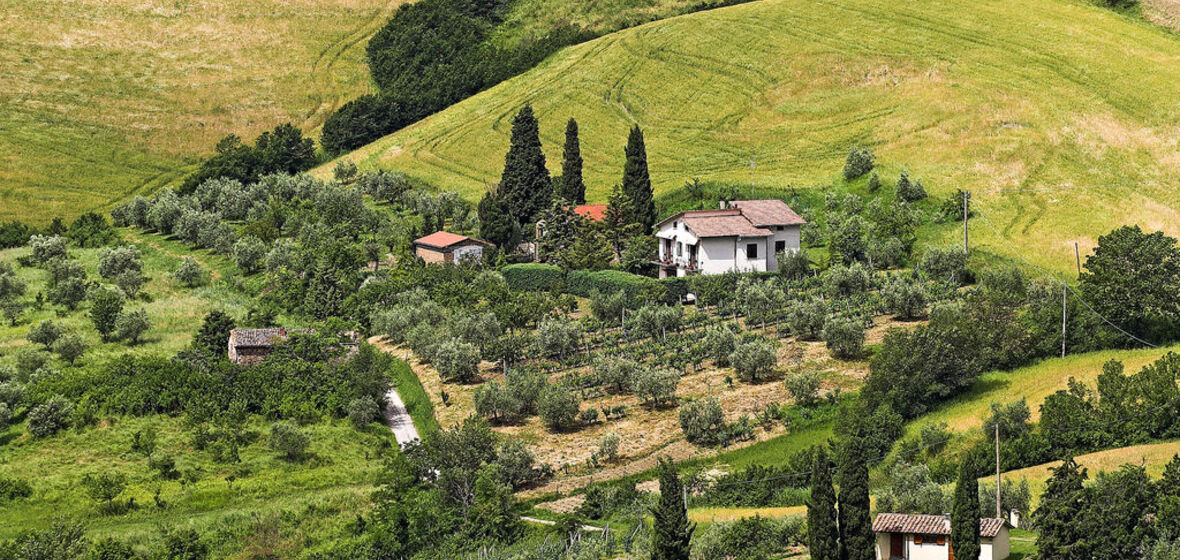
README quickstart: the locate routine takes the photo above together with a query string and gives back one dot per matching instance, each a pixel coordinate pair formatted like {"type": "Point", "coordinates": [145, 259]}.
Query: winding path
{"type": "Point", "coordinates": [398, 418]}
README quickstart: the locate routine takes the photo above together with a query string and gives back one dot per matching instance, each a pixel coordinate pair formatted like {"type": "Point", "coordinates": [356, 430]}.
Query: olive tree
{"type": "Point", "coordinates": [703, 422]}
{"type": "Point", "coordinates": [557, 406]}
{"type": "Point", "coordinates": [456, 361]}
{"type": "Point", "coordinates": [754, 360]}
{"type": "Point", "coordinates": [905, 298]}
{"type": "Point", "coordinates": [105, 306]}
{"type": "Point", "coordinates": [70, 347]}
{"type": "Point", "coordinates": [803, 385]}
{"type": "Point", "coordinates": [806, 318]}
{"type": "Point", "coordinates": [558, 336]}
{"type": "Point", "coordinates": [50, 417]}
{"type": "Point", "coordinates": [289, 440]}
{"type": "Point", "coordinates": [719, 342]}
{"type": "Point", "coordinates": [190, 273]}
{"type": "Point", "coordinates": [656, 387]}
{"type": "Point", "coordinates": [45, 333]}
{"type": "Point", "coordinates": [248, 253]}
{"type": "Point", "coordinates": [130, 325]}
{"type": "Point", "coordinates": [616, 373]}
{"type": "Point", "coordinates": [844, 337]}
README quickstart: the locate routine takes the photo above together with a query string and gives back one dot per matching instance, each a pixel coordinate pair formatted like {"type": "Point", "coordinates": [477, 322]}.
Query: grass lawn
{"type": "Point", "coordinates": [984, 96]}
{"type": "Point", "coordinates": [1153, 455]}
{"type": "Point", "coordinates": [1022, 544]}
{"type": "Point", "coordinates": [108, 98]}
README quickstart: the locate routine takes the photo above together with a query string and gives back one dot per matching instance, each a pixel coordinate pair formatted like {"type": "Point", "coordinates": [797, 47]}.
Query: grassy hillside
{"type": "Point", "coordinates": [1010, 97]}
{"type": "Point", "coordinates": [108, 98]}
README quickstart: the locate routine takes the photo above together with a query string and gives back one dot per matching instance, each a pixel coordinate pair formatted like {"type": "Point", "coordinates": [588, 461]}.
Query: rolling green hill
{"type": "Point", "coordinates": [985, 96]}
{"type": "Point", "coordinates": [103, 99]}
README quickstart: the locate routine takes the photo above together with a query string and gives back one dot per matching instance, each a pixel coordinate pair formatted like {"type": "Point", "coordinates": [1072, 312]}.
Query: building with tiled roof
{"type": "Point", "coordinates": [741, 236]}
{"type": "Point", "coordinates": [444, 247]}
{"type": "Point", "coordinates": [909, 536]}
{"type": "Point", "coordinates": [592, 212]}
{"type": "Point", "coordinates": [251, 346]}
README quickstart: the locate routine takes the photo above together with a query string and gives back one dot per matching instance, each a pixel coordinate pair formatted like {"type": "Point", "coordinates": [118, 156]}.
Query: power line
{"type": "Point", "coordinates": [1077, 296]}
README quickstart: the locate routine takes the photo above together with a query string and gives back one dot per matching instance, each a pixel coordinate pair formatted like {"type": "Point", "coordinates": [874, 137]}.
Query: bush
{"type": "Point", "coordinates": [496, 403]}
{"type": "Point", "coordinates": [115, 261]}
{"type": "Point", "coordinates": [909, 191]}
{"type": "Point", "coordinates": [794, 265]}
{"type": "Point", "coordinates": [886, 252]}
{"type": "Point", "coordinates": [750, 538]}
{"type": "Point", "coordinates": [558, 336]}
{"type": "Point", "coordinates": [105, 306]}
{"type": "Point", "coordinates": [905, 299]}
{"type": "Point", "coordinates": [45, 333]}
{"type": "Point", "coordinates": [656, 387]}
{"type": "Point", "coordinates": [363, 411]}
{"type": "Point", "coordinates": [104, 488]}
{"type": "Point", "coordinates": [47, 248]}
{"type": "Point", "coordinates": [608, 447]}
{"type": "Point", "coordinates": [456, 361]}
{"type": "Point", "coordinates": [248, 253]}
{"type": "Point", "coordinates": [859, 162]}
{"type": "Point", "coordinates": [29, 360]}
{"type": "Point", "coordinates": [344, 171]}
{"type": "Point", "coordinates": [945, 264]}
{"type": "Point", "coordinates": [51, 417]}
{"type": "Point", "coordinates": [719, 342]}
{"type": "Point", "coordinates": [558, 407]}
{"type": "Point", "coordinates": [806, 318]}
{"type": "Point", "coordinates": [533, 277]}
{"type": "Point", "coordinates": [14, 234]}
{"type": "Point", "coordinates": [754, 360]}
{"type": "Point", "coordinates": [70, 347]}
{"type": "Point", "coordinates": [288, 440]}
{"type": "Point", "coordinates": [130, 325]}
{"type": "Point", "coordinates": [516, 463]}
{"type": "Point", "coordinates": [616, 373]}
{"type": "Point", "coordinates": [190, 273]}
{"type": "Point", "coordinates": [637, 289]}
{"type": "Point", "coordinates": [703, 422]}
{"type": "Point", "coordinates": [164, 464]}
{"type": "Point", "coordinates": [608, 307]}
{"type": "Point", "coordinates": [656, 320]}
{"type": "Point", "coordinates": [5, 416]}
{"type": "Point", "coordinates": [846, 281]}
{"type": "Point", "coordinates": [14, 488]}
{"type": "Point", "coordinates": [804, 385]}
{"type": "Point", "coordinates": [844, 337]}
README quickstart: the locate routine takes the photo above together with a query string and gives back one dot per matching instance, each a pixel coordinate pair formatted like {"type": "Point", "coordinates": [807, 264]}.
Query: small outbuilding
{"type": "Point", "coordinates": [905, 536]}
{"type": "Point", "coordinates": [251, 346]}
{"type": "Point", "coordinates": [444, 247]}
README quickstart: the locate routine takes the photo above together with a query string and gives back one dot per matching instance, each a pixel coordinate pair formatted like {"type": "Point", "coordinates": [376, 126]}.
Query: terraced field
{"type": "Point", "coordinates": [107, 98]}
{"type": "Point", "coordinates": [989, 96]}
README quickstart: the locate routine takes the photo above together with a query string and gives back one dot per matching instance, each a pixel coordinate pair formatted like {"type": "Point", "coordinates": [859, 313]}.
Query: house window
{"type": "Point", "coordinates": [751, 250]}
{"type": "Point", "coordinates": [679, 249]}
{"type": "Point", "coordinates": [780, 246]}
{"type": "Point", "coordinates": [675, 225]}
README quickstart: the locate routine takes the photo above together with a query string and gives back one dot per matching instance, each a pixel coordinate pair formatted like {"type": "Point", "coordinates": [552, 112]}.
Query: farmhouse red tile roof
{"type": "Point", "coordinates": [723, 226]}
{"type": "Point", "coordinates": [444, 239]}
{"type": "Point", "coordinates": [916, 524]}
{"type": "Point", "coordinates": [768, 213]}
{"type": "Point", "coordinates": [596, 212]}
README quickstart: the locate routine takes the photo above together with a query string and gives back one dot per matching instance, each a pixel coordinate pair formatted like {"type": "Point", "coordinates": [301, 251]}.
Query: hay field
{"type": "Point", "coordinates": [102, 99]}
{"type": "Point", "coordinates": [986, 96]}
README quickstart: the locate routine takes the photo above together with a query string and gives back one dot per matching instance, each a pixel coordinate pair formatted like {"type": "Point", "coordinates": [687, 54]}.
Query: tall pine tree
{"type": "Point", "coordinates": [496, 224]}
{"type": "Point", "coordinates": [671, 531]}
{"type": "Point", "coordinates": [525, 183]}
{"type": "Point", "coordinates": [822, 532]}
{"type": "Point", "coordinates": [965, 515]}
{"type": "Point", "coordinates": [615, 224]}
{"type": "Point", "coordinates": [572, 187]}
{"type": "Point", "coordinates": [857, 541]}
{"type": "Point", "coordinates": [1057, 516]}
{"type": "Point", "coordinates": [637, 182]}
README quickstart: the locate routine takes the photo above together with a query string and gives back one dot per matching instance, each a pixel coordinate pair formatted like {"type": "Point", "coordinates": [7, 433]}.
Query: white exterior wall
{"type": "Point", "coordinates": [716, 255]}
{"type": "Point", "coordinates": [989, 549]}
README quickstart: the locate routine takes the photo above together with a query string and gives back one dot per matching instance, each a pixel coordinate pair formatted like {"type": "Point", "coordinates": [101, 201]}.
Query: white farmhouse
{"type": "Point", "coordinates": [904, 536]}
{"type": "Point", "coordinates": [742, 236]}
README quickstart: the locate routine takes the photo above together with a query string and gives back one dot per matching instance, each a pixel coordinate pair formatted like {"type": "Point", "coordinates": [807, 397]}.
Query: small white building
{"type": "Point", "coordinates": [741, 236]}
{"type": "Point", "coordinates": [905, 536]}
{"type": "Point", "coordinates": [444, 247]}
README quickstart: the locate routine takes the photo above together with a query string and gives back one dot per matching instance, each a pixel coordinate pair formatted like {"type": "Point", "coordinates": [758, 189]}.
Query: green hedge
{"type": "Point", "coordinates": [533, 277]}
{"type": "Point", "coordinates": [675, 288]}
{"type": "Point", "coordinates": [638, 288]}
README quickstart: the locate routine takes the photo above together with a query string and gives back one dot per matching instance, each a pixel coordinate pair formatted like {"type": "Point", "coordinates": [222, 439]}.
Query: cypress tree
{"type": "Point", "coordinates": [572, 187]}
{"type": "Point", "coordinates": [822, 533]}
{"type": "Point", "coordinates": [496, 224]}
{"type": "Point", "coordinates": [857, 541]}
{"type": "Point", "coordinates": [525, 183]}
{"type": "Point", "coordinates": [1058, 514]}
{"type": "Point", "coordinates": [965, 515]}
{"type": "Point", "coordinates": [637, 182]}
{"type": "Point", "coordinates": [1169, 497]}
{"type": "Point", "coordinates": [671, 531]}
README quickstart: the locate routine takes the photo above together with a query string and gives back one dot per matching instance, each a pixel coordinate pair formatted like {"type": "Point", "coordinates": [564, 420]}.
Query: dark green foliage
{"type": "Point", "coordinates": [104, 488]}
{"type": "Point", "coordinates": [111, 549]}
{"type": "Point", "coordinates": [909, 190]}
{"type": "Point", "coordinates": [533, 277]}
{"type": "Point", "coordinates": [91, 230]}
{"type": "Point", "coordinates": [1058, 535]}
{"type": "Point", "coordinates": [1169, 498]}
{"type": "Point", "coordinates": [859, 162]}
{"type": "Point", "coordinates": [573, 189]}
{"type": "Point", "coordinates": [671, 530]}
{"type": "Point", "coordinates": [105, 306]}
{"type": "Point", "coordinates": [281, 150]}
{"type": "Point", "coordinates": [363, 411]}
{"type": "Point", "coordinates": [557, 406]}
{"type": "Point", "coordinates": [822, 530]}
{"type": "Point", "coordinates": [525, 182]}
{"type": "Point", "coordinates": [905, 299]}
{"type": "Point", "coordinates": [185, 544]}
{"type": "Point", "coordinates": [636, 289]}
{"type": "Point", "coordinates": [845, 338]}
{"type": "Point", "coordinates": [945, 264]}
{"type": "Point", "coordinates": [857, 540]}
{"type": "Point", "coordinates": [641, 209]}
{"type": "Point", "coordinates": [1117, 520]}
{"type": "Point", "coordinates": [213, 336]}
{"type": "Point", "coordinates": [45, 333]}
{"type": "Point", "coordinates": [497, 225]}
{"type": "Point", "coordinates": [965, 515]}
{"type": "Point", "coordinates": [61, 541]}
{"type": "Point", "coordinates": [1132, 278]}
{"type": "Point", "coordinates": [14, 234]}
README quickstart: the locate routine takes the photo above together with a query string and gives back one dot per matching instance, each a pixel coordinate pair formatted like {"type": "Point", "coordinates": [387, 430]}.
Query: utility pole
{"type": "Point", "coordinates": [1064, 291]}
{"type": "Point", "coordinates": [751, 176]}
{"type": "Point", "coordinates": [966, 211]}
{"type": "Point", "coordinates": [1077, 255]}
{"type": "Point", "coordinates": [999, 513]}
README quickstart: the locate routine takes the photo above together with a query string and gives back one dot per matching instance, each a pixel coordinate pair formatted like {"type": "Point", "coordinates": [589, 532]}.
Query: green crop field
{"type": "Point", "coordinates": [985, 96]}
{"type": "Point", "coordinates": [108, 98]}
